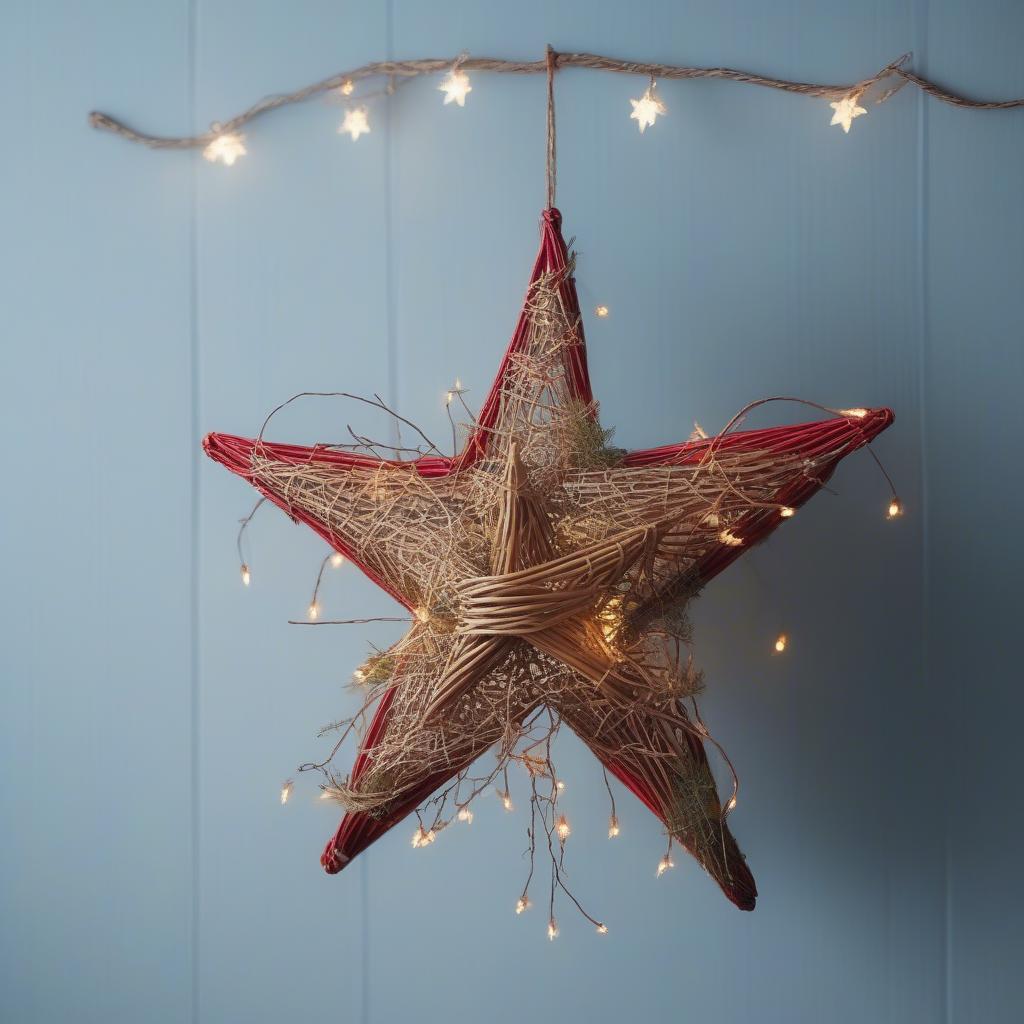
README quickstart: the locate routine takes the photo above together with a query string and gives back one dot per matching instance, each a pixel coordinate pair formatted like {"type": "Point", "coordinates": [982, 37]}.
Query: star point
{"type": "Point", "coordinates": [455, 86]}
{"type": "Point", "coordinates": [647, 108]}
{"type": "Point", "coordinates": [355, 123]}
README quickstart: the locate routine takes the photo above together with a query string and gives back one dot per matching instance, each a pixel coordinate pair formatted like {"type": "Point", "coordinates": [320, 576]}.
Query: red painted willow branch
{"type": "Point", "coordinates": [406, 69]}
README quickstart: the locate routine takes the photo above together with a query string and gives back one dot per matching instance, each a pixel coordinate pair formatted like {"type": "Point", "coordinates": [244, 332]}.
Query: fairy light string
{"type": "Point", "coordinates": [224, 142]}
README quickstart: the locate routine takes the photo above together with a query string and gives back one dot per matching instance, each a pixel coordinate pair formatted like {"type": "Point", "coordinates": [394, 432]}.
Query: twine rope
{"type": "Point", "coordinates": [404, 70]}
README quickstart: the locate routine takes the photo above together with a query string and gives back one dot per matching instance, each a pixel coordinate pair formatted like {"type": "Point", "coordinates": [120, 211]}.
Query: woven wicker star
{"type": "Point", "coordinates": [546, 572]}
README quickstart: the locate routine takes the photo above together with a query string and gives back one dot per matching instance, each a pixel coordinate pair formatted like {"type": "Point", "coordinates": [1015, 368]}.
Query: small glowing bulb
{"type": "Point", "coordinates": [601, 311]}
{"type": "Point", "coordinates": [563, 830]}
{"type": "Point", "coordinates": [506, 800]}
{"type": "Point", "coordinates": [422, 615]}
{"type": "Point", "coordinates": [845, 110]}
{"type": "Point", "coordinates": [730, 538]}
{"type": "Point", "coordinates": [458, 384]}
{"type": "Point", "coordinates": [337, 559]}
{"type": "Point", "coordinates": [226, 148]}
{"type": "Point", "coordinates": [857, 414]}
{"type": "Point", "coordinates": [347, 87]}
{"type": "Point", "coordinates": [895, 508]}
{"type": "Point", "coordinates": [523, 903]}
{"type": "Point", "coordinates": [663, 865]}
{"type": "Point", "coordinates": [286, 791]}
{"type": "Point", "coordinates": [613, 827]}
{"type": "Point", "coordinates": [602, 929]}
{"type": "Point", "coordinates": [560, 786]}
{"type": "Point", "coordinates": [731, 805]}
{"type": "Point", "coordinates": [552, 929]}
{"type": "Point", "coordinates": [780, 643]}
{"type": "Point", "coordinates": [356, 123]}
{"type": "Point", "coordinates": [787, 512]}
{"type": "Point", "coordinates": [466, 815]}
{"type": "Point", "coordinates": [647, 108]}
{"type": "Point", "coordinates": [448, 398]}
{"type": "Point", "coordinates": [325, 795]}
{"type": "Point", "coordinates": [359, 675]}
{"type": "Point", "coordinates": [246, 575]}
{"type": "Point", "coordinates": [314, 610]}
{"type": "Point", "coordinates": [423, 837]}
{"type": "Point", "coordinates": [455, 87]}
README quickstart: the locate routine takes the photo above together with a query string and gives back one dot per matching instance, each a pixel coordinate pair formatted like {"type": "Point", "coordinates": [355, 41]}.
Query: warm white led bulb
{"type": "Point", "coordinates": [226, 148]}
{"type": "Point", "coordinates": [246, 575]}
{"type": "Point", "coordinates": [787, 512]}
{"type": "Point", "coordinates": [664, 864]}
{"type": "Point", "coordinates": [780, 642]}
{"type": "Point", "coordinates": [337, 559]}
{"type": "Point", "coordinates": [356, 123]}
{"type": "Point", "coordinates": [895, 508]}
{"type": "Point", "coordinates": [455, 86]}
{"type": "Point", "coordinates": [613, 827]}
{"type": "Point", "coordinates": [647, 108]}
{"type": "Point", "coordinates": [466, 815]}
{"type": "Point", "coordinates": [552, 929]}
{"type": "Point", "coordinates": [562, 829]}
{"type": "Point", "coordinates": [845, 110]}
{"type": "Point", "coordinates": [286, 791]}
{"type": "Point", "coordinates": [523, 903]}
{"type": "Point", "coordinates": [314, 610]}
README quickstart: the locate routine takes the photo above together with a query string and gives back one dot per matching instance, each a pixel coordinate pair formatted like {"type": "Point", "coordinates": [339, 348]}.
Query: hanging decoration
{"type": "Point", "coordinates": [546, 575]}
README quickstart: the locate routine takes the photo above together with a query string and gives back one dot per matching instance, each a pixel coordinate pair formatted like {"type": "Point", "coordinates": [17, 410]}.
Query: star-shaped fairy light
{"type": "Point", "coordinates": [356, 123]}
{"type": "Point", "coordinates": [845, 110]}
{"type": "Point", "coordinates": [647, 108]}
{"type": "Point", "coordinates": [546, 575]}
{"type": "Point", "coordinates": [225, 148]}
{"type": "Point", "coordinates": [455, 86]}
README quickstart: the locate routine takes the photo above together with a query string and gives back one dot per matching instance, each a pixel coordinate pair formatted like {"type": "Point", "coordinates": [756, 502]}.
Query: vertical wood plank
{"type": "Point", "coordinates": [95, 869]}
{"type": "Point", "coordinates": [291, 297]}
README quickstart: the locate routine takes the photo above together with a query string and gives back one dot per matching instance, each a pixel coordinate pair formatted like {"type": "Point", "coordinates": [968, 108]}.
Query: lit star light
{"type": "Point", "coordinates": [225, 148]}
{"type": "Point", "coordinates": [455, 86]}
{"type": "Point", "coordinates": [356, 123]}
{"type": "Point", "coordinates": [647, 108]}
{"type": "Point", "coordinates": [543, 569]}
{"type": "Point", "coordinates": [846, 110]}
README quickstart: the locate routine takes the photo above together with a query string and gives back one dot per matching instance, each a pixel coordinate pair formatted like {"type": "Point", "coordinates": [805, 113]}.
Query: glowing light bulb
{"type": "Point", "coordinates": [562, 829]}
{"type": "Point", "coordinates": [246, 575]}
{"type": "Point", "coordinates": [422, 615]}
{"type": "Point", "coordinates": [423, 837]}
{"type": "Point", "coordinates": [552, 929]}
{"type": "Point", "coordinates": [466, 815]}
{"type": "Point", "coordinates": [314, 610]}
{"type": "Point", "coordinates": [786, 512]}
{"type": "Point", "coordinates": [359, 675]}
{"type": "Point", "coordinates": [506, 800]}
{"type": "Point", "coordinates": [523, 903]}
{"type": "Point", "coordinates": [663, 865]}
{"type": "Point", "coordinates": [647, 108]}
{"type": "Point", "coordinates": [448, 398]}
{"type": "Point", "coordinates": [602, 929]}
{"type": "Point", "coordinates": [347, 87]}
{"type": "Point", "coordinates": [226, 148]}
{"type": "Point", "coordinates": [780, 643]}
{"type": "Point", "coordinates": [731, 805]}
{"type": "Point", "coordinates": [601, 311]}
{"type": "Point", "coordinates": [895, 508]}
{"type": "Point", "coordinates": [325, 795]}
{"type": "Point", "coordinates": [845, 110]}
{"type": "Point", "coordinates": [560, 786]}
{"type": "Point", "coordinates": [857, 414]}
{"type": "Point", "coordinates": [286, 791]}
{"type": "Point", "coordinates": [356, 123]}
{"type": "Point", "coordinates": [337, 559]}
{"type": "Point", "coordinates": [730, 538]}
{"type": "Point", "coordinates": [455, 86]}
{"type": "Point", "coordinates": [613, 827]}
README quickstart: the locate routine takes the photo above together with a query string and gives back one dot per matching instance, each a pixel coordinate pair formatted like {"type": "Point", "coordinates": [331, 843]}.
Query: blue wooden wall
{"type": "Point", "coordinates": [152, 706]}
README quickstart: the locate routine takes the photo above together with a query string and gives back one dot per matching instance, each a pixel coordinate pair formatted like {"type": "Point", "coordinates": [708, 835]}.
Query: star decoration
{"type": "Point", "coordinates": [226, 148]}
{"type": "Point", "coordinates": [356, 123]}
{"type": "Point", "coordinates": [546, 572]}
{"type": "Point", "coordinates": [455, 86]}
{"type": "Point", "coordinates": [647, 108]}
{"type": "Point", "coordinates": [845, 110]}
